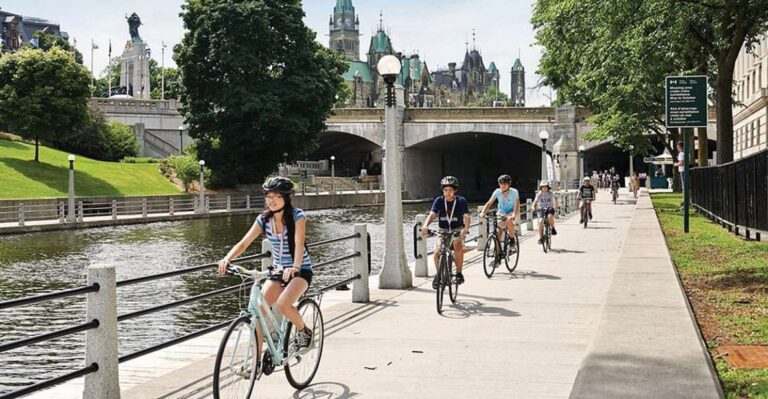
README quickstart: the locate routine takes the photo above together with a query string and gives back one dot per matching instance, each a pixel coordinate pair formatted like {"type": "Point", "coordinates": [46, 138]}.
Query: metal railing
{"type": "Point", "coordinates": [734, 194]}
{"type": "Point", "coordinates": [102, 282]}
{"type": "Point", "coordinates": [128, 207]}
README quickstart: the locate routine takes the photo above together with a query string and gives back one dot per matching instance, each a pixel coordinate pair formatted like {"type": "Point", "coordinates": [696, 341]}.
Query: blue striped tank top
{"type": "Point", "coordinates": [281, 252]}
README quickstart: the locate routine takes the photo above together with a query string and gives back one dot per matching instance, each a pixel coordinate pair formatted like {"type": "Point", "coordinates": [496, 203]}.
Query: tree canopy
{"type": "Point", "coordinates": [43, 94]}
{"type": "Point", "coordinates": [613, 56]}
{"type": "Point", "coordinates": [256, 84]}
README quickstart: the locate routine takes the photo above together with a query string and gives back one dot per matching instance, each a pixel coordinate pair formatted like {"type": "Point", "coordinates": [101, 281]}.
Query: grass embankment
{"type": "Point", "coordinates": [726, 280]}
{"type": "Point", "coordinates": [21, 177]}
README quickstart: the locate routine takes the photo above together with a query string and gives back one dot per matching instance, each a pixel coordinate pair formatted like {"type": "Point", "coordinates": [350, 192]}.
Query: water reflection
{"type": "Point", "coordinates": [43, 262]}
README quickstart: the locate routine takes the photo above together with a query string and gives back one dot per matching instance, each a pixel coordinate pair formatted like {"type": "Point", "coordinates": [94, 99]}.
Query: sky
{"type": "Point", "coordinates": [438, 30]}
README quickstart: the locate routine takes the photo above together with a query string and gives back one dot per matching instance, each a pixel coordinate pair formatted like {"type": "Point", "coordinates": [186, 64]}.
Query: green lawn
{"type": "Point", "coordinates": [726, 279]}
{"type": "Point", "coordinates": [21, 177]}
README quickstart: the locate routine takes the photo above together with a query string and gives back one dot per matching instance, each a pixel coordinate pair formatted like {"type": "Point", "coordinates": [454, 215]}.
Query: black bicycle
{"type": "Point", "coordinates": [496, 250]}
{"type": "Point", "coordinates": [546, 238]}
{"type": "Point", "coordinates": [446, 268]}
{"type": "Point", "coordinates": [585, 213]}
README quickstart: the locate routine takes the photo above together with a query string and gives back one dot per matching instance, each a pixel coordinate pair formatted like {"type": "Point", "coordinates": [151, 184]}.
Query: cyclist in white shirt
{"type": "Point", "coordinates": [508, 208]}
{"type": "Point", "coordinates": [545, 204]}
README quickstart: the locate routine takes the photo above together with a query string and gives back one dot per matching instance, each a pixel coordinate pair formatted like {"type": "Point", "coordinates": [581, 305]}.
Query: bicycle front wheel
{"type": "Point", "coordinates": [453, 282]}
{"type": "Point", "coordinates": [234, 372]}
{"type": "Point", "coordinates": [301, 366]}
{"type": "Point", "coordinates": [489, 256]}
{"type": "Point", "coordinates": [512, 253]}
{"type": "Point", "coordinates": [441, 282]}
{"type": "Point", "coordinates": [545, 238]}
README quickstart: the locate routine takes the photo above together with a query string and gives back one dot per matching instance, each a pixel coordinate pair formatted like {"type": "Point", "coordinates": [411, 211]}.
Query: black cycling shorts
{"type": "Point", "coordinates": [303, 273]}
{"type": "Point", "coordinates": [547, 211]}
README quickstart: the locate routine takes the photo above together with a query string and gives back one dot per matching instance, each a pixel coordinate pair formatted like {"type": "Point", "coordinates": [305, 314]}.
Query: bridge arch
{"type": "Point", "coordinates": [353, 152]}
{"type": "Point", "coordinates": [476, 158]}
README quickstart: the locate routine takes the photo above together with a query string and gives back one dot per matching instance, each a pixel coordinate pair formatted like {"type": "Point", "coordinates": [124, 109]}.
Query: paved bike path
{"type": "Point", "coordinates": [524, 335]}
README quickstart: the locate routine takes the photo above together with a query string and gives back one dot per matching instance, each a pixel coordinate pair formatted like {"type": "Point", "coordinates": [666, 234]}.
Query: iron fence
{"type": "Point", "coordinates": [734, 194]}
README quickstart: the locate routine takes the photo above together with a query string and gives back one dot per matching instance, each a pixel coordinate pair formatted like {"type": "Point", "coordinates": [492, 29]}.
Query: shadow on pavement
{"type": "Point", "coordinates": [530, 275]}
{"type": "Point", "coordinates": [326, 390]}
{"type": "Point", "coordinates": [464, 308]}
{"type": "Point", "coordinates": [461, 294]}
{"type": "Point", "coordinates": [566, 251]}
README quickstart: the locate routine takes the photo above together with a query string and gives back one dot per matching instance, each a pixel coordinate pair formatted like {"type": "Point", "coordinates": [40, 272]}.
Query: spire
{"type": "Point", "coordinates": [343, 5]}
{"type": "Point", "coordinates": [381, 20]}
{"type": "Point", "coordinates": [474, 43]}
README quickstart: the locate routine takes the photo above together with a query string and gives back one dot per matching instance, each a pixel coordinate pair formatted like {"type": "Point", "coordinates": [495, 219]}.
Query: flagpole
{"type": "Point", "coordinates": [93, 73]}
{"type": "Point", "coordinates": [109, 70]}
{"type": "Point", "coordinates": [162, 72]}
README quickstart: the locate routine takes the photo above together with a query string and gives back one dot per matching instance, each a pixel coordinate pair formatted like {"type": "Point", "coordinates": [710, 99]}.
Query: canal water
{"type": "Point", "coordinates": [44, 262]}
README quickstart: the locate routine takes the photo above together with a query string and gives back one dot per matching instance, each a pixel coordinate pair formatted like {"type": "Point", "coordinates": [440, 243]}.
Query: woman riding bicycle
{"type": "Point", "coordinates": [509, 205]}
{"type": "Point", "coordinates": [285, 227]}
{"type": "Point", "coordinates": [545, 204]}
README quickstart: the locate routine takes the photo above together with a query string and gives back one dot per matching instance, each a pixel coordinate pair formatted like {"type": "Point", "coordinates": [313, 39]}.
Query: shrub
{"type": "Point", "coordinates": [140, 160]}
{"type": "Point", "coordinates": [188, 170]}
{"type": "Point", "coordinates": [101, 139]}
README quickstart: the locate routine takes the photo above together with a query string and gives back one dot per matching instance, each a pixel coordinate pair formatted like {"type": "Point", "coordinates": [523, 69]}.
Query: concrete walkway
{"type": "Point", "coordinates": [568, 323]}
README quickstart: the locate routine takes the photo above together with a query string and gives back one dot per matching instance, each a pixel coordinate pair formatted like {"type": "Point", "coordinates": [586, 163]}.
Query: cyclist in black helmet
{"type": "Point", "coordinates": [452, 212]}
{"type": "Point", "coordinates": [285, 227]}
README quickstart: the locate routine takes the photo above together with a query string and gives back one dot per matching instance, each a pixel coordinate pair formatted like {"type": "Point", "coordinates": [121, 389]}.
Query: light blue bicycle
{"type": "Point", "coordinates": [239, 361]}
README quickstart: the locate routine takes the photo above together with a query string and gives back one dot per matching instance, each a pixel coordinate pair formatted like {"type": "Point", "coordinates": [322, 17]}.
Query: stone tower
{"type": "Point", "coordinates": [517, 92]}
{"type": "Point", "coordinates": [344, 27]}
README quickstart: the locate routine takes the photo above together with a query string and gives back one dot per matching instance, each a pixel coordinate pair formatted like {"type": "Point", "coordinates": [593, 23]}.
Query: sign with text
{"type": "Point", "coordinates": [686, 99]}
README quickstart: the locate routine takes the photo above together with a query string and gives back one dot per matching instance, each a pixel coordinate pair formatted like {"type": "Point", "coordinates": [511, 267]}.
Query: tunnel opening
{"type": "Point", "coordinates": [476, 159]}
{"type": "Point", "coordinates": [352, 153]}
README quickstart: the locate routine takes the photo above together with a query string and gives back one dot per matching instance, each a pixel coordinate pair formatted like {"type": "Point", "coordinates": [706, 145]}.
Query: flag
{"type": "Point", "coordinates": [35, 42]}
{"type": "Point", "coordinates": [94, 46]}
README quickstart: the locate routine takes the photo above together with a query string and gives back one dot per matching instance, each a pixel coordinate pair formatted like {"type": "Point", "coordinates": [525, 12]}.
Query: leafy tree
{"type": "Point", "coordinates": [256, 84]}
{"type": "Point", "coordinates": [492, 95]}
{"type": "Point", "coordinates": [172, 82]}
{"type": "Point", "coordinates": [613, 56]}
{"type": "Point", "coordinates": [47, 41]}
{"type": "Point", "coordinates": [43, 94]}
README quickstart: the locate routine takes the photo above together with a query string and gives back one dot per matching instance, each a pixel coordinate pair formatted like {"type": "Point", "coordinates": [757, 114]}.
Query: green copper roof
{"type": "Point", "coordinates": [517, 65]}
{"type": "Point", "coordinates": [492, 67]}
{"type": "Point", "coordinates": [357, 66]}
{"type": "Point", "coordinates": [343, 5]}
{"type": "Point", "coordinates": [404, 70]}
{"type": "Point", "coordinates": [380, 42]}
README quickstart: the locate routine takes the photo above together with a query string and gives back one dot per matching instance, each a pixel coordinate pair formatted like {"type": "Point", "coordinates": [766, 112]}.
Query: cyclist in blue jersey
{"type": "Point", "coordinates": [508, 208]}
{"type": "Point", "coordinates": [452, 212]}
{"type": "Point", "coordinates": [285, 227]}
{"type": "Point", "coordinates": [544, 204]}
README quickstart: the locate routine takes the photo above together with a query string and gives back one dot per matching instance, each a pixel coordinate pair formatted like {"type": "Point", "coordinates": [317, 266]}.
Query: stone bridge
{"type": "Point", "coordinates": [475, 144]}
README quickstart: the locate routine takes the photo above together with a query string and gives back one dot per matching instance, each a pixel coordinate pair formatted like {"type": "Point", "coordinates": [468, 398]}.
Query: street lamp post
{"type": "Point", "coordinates": [581, 162]}
{"type": "Point", "coordinates": [543, 136]}
{"type": "Point", "coordinates": [162, 71]}
{"type": "Point", "coordinates": [333, 174]}
{"type": "Point", "coordinates": [631, 164]}
{"type": "Point", "coordinates": [395, 272]}
{"type": "Point", "coordinates": [201, 201]}
{"type": "Point", "coordinates": [181, 139]}
{"type": "Point", "coordinates": [71, 196]}
{"type": "Point", "coordinates": [285, 164]}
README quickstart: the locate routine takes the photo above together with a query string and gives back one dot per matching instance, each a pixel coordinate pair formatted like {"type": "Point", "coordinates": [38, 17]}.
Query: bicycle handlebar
{"type": "Point", "coordinates": [256, 274]}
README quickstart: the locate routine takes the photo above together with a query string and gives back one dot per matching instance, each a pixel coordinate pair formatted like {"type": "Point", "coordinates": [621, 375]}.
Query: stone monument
{"type": "Point", "coordinates": [134, 72]}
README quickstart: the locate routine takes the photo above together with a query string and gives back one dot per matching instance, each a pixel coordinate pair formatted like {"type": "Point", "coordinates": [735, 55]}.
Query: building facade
{"type": "Point", "coordinates": [750, 112]}
{"type": "Point", "coordinates": [517, 85]}
{"type": "Point", "coordinates": [451, 87]}
{"type": "Point", "coordinates": [15, 30]}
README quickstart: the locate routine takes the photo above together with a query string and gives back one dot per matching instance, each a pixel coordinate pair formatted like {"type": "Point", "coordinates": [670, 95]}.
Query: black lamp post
{"type": "Point", "coordinates": [543, 136]}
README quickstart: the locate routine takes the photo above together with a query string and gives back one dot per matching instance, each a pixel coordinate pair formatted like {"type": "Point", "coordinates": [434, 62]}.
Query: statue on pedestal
{"type": "Point", "coordinates": [133, 26]}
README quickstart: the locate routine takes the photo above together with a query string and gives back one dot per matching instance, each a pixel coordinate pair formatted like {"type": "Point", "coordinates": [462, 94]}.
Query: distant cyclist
{"type": "Point", "coordinates": [545, 204]}
{"type": "Point", "coordinates": [508, 208]}
{"type": "Point", "coordinates": [586, 192]}
{"type": "Point", "coordinates": [452, 212]}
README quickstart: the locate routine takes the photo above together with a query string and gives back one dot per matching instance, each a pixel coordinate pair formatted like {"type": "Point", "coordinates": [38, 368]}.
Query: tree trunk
{"type": "Point", "coordinates": [703, 147]}
{"type": "Point", "coordinates": [37, 150]}
{"type": "Point", "coordinates": [724, 105]}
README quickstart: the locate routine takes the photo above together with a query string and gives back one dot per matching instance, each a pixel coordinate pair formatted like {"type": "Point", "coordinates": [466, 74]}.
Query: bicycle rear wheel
{"type": "Point", "coordinates": [301, 367]}
{"type": "Point", "coordinates": [453, 282]}
{"type": "Point", "coordinates": [234, 372]}
{"type": "Point", "coordinates": [489, 256]}
{"type": "Point", "coordinates": [441, 282]}
{"type": "Point", "coordinates": [512, 253]}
